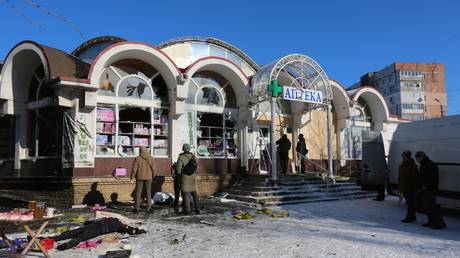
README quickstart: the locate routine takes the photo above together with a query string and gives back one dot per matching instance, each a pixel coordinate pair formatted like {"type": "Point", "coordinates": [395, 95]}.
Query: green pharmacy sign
{"type": "Point", "coordinates": [275, 89]}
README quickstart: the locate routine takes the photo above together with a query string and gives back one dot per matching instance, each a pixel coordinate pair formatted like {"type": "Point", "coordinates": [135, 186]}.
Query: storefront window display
{"type": "Point", "coordinates": [216, 116]}
{"type": "Point", "coordinates": [216, 135]}
{"type": "Point", "coordinates": [105, 131]}
{"type": "Point", "coordinates": [123, 126]}
{"type": "Point", "coordinates": [135, 127]}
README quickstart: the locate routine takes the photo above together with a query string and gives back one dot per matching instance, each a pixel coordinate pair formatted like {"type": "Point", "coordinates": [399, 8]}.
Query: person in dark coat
{"type": "Point", "coordinates": [408, 184]}
{"type": "Point", "coordinates": [188, 185]}
{"type": "Point", "coordinates": [302, 150]}
{"type": "Point", "coordinates": [94, 229]}
{"type": "Point", "coordinates": [284, 145]}
{"type": "Point", "coordinates": [177, 188]}
{"type": "Point", "coordinates": [429, 184]}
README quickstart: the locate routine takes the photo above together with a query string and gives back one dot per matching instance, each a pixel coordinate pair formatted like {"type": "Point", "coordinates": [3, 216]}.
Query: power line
{"type": "Point", "coordinates": [21, 13]}
{"type": "Point", "coordinates": [51, 13]}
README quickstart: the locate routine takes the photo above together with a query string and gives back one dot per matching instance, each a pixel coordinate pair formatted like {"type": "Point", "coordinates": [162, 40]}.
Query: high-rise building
{"type": "Point", "coordinates": [412, 91]}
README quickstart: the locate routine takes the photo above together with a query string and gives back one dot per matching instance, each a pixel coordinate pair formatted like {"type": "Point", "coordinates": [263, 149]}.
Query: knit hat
{"type": "Point", "coordinates": [186, 147]}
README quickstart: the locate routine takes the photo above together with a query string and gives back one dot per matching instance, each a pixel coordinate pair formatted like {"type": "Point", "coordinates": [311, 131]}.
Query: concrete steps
{"type": "Point", "coordinates": [292, 189]}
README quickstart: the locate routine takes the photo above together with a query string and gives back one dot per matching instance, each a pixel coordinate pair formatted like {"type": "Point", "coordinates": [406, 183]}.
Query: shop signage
{"type": "Point", "coordinates": [84, 144]}
{"type": "Point", "coordinates": [303, 95]}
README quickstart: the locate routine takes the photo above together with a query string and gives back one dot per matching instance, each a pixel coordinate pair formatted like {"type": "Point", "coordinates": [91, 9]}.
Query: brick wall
{"type": "Point", "coordinates": [52, 198]}
{"type": "Point", "coordinates": [434, 86]}
{"type": "Point", "coordinates": [123, 187]}
{"type": "Point", "coordinates": [207, 185]}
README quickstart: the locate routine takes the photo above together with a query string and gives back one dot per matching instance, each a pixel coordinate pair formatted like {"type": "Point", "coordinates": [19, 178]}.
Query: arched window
{"type": "Point", "coordinates": [359, 123]}
{"type": "Point", "coordinates": [124, 125]}
{"type": "Point", "coordinates": [357, 114]}
{"type": "Point", "coordinates": [210, 96]}
{"type": "Point", "coordinates": [213, 99]}
{"type": "Point", "coordinates": [211, 89]}
{"type": "Point", "coordinates": [133, 79]}
{"type": "Point", "coordinates": [134, 86]}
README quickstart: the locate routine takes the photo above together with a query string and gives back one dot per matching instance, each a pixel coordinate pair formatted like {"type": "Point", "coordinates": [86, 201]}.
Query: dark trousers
{"type": "Point", "coordinates": [410, 203]}
{"type": "Point", "coordinates": [186, 200]}
{"type": "Point", "coordinates": [432, 211]}
{"type": "Point", "coordinates": [140, 184]}
{"type": "Point", "coordinates": [284, 159]}
{"type": "Point", "coordinates": [177, 191]}
{"type": "Point", "coordinates": [77, 235]}
{"type": "Point", "coordinates": [380, 192]}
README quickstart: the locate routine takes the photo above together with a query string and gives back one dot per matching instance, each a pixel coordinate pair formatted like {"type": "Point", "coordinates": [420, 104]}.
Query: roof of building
{"type": "Point", "coordinates": [57, 62]}
{"type": "Point", "coordinates": [214, 41]}
{"type": "Point", "coordinates": [94, 41]}
{"type": "Point", "coordinates": [63, 64]}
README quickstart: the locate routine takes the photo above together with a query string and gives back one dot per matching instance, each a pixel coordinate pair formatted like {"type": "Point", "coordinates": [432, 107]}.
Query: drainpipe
{"type": "Point", "coordinates": [36, 117]}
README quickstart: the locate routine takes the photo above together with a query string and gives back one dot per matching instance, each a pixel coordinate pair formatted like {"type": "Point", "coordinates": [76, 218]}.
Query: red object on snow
{"type": "Point", "coordinates": [88, 244]}
{"type": "Point", "coordinates": [48, 243]}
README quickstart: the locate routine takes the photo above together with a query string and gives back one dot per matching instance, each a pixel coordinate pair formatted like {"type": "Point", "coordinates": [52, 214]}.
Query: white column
{"type": "Point", "coordinates": [329, 141]}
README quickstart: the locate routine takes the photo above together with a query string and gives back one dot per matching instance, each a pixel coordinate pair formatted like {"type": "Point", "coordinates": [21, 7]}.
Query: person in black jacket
{"type": "Point", "coordinates": [302, 151]}
{"type": "Point", "coordinates": [429, 185]}
{"type": "Point", "coordinates": [94, 229]}
{"type": "Point", "coordinates": [284, 145]}
{"type": "Point", "coordinates": [408, 184]}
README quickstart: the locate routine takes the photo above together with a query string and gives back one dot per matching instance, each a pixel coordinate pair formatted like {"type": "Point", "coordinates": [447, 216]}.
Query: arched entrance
{"type": "Point", "coordinates": [303, 82]}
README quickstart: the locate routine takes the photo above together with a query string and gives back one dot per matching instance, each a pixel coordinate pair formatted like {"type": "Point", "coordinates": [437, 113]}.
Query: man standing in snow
{"type": "Point", "coordinates": [429, 184]}
{"type": "Point", "coordinates": [177, 187]}
{"type": "Point", "coordinates": [408, 184]}
{"type": "Point", "coordinates": [186, 167]}
{"type": "Point", "coordinates": [143, 171]}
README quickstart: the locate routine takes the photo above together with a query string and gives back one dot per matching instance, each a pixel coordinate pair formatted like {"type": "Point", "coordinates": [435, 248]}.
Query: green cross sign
{"type": "Point", "coordinates": [274, 88]}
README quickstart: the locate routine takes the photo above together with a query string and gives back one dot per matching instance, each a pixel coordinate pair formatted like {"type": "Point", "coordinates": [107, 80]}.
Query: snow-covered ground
{"type": "Point", "coordinates": [354, 228]}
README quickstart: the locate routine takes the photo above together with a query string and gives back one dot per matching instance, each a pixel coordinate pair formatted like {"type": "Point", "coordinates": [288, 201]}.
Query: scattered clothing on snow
{"type": "Point", "coordinates": [92, 230]}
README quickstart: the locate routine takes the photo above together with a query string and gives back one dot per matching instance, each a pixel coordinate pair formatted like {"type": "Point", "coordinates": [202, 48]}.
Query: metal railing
{"type": "Point", "coordinates": [324, 174]}
{"type": "Point", "coordinates": [301, 158]}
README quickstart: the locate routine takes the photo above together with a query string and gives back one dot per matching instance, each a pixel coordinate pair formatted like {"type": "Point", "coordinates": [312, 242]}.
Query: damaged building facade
{"type": "Point", "coordinates": [68, 120]}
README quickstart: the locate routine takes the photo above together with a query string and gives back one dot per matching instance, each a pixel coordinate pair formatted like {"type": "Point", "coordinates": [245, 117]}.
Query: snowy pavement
{"type": "Point", "coordinates": [354, 228]}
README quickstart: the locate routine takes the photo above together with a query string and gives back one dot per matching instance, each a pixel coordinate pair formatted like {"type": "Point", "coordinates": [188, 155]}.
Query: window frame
{"type": "Point", "coordinates": [153, 103]}
{"type": "Point", "coordinates": [224, 133]}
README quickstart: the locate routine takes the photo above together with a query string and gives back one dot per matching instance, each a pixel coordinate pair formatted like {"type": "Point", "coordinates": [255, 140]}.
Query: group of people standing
{"type": "Point", "coordinates": [143, 171]}
{"type": "Point", "coordinates": [284, 145]}
{"type": "Point", "coordinates": [419, 186]}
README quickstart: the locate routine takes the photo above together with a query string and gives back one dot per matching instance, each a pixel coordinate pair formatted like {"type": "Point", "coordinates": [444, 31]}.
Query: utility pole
{"type": "Point", "coordinates": [330, 173]}
{"type": "Point", "coordinates": [440, 105]}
